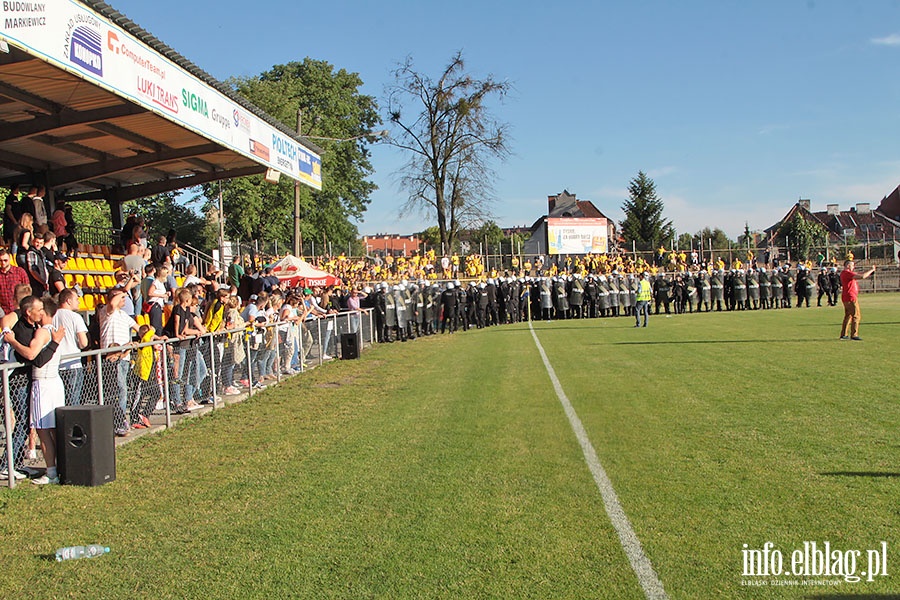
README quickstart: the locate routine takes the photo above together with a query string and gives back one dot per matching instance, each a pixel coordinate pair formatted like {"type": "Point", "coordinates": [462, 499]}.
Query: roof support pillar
{"type": "Point", "coordinates": [115, 208]}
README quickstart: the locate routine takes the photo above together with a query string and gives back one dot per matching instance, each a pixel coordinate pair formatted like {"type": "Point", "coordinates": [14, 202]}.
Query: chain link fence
{"type": "Point", "coordinates": [169, 377]}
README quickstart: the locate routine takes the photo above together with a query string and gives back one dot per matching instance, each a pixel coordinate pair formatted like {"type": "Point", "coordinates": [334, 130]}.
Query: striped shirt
{"type": "Point", "coordinates": [115, 328]}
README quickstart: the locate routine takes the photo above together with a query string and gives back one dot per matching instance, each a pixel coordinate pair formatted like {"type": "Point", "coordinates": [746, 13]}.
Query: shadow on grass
{"type": "Point", "coordinates": [852, 597]}
{"type": "Point", "coordinates": [860, 474]}
{"type": "Point", "coordinates": [679, 342]}
{"type": "Point", "coordinates": [831, 324]}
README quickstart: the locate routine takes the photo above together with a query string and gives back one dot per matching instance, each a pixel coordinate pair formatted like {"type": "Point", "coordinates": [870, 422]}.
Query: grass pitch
{"type": "Point", "coordinates": [445, 468]}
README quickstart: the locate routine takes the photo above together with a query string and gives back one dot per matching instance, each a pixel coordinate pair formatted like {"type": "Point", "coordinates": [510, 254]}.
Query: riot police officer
{"type": "Point", "coordinates": [824, 285]}
{"type": "Point", "coordinates": [717, 289]}
{"type": "Point", "coordinates": [448, 309]}
{"type": "Point", "coordinates": [661, 288]}
{"type": "Point", "coordinates": [561, 296]}
{"type": "Point", "coordinates": [753, 289]}
{"type": "Point", "coordinates": [576, 297]}
{"type": "Point", "coordinates": [765, 288]}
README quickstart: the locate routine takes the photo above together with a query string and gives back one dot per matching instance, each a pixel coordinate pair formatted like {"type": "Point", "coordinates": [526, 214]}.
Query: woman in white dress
{"type": "Point", "coordinates": [47, 390]}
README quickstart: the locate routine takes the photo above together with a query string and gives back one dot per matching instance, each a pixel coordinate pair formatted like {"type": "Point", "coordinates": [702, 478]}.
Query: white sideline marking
{"type": "Point", "coordinates": [640, 564]}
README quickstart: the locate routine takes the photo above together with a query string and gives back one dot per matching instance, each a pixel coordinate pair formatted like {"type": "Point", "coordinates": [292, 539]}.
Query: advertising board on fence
{"type": "Point", "coordinates": [577, 236]}
{"type": "Point", "coordinates": [72, 37]}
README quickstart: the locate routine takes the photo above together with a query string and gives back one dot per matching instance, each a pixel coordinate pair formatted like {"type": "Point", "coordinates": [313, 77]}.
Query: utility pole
{"type": "Point", "coordinates": [298, 241]}
{"type": "Point", "coordinates": [222, 264]}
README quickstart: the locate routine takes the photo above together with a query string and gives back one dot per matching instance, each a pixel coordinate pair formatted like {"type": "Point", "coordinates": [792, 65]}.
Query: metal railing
{"type": "Point", "coordinates": [178, 371]}
{"type": "Point", "coordinates": [200, 259]}
{"type": "Point", "coordinates": [97, 236]}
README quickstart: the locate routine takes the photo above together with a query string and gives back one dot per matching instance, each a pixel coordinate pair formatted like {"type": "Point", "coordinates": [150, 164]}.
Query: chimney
{"type": "Point", "coordinates": [862, 208]}
{"type": "Point", "coordinates": [833, 209]}
{"type": "Point", "coordinates": [804, 203]}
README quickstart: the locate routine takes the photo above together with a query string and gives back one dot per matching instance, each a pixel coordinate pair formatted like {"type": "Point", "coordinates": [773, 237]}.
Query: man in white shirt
{"type": "Point", "coordinates": [116, 329]}
{"type": "Point", "coordinates": [76, 340]}
{"type": "Point", "coordinates": [251, 310]}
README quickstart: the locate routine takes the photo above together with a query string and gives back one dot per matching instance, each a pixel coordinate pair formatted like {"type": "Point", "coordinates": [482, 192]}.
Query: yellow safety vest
{"type": "Point", "coordinates": [644, 292]}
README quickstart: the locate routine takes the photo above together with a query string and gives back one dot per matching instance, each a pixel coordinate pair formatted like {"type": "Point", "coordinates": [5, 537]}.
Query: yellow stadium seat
{"type": "Point", "coordinates": [89, 281]}
{"type": "Point", "coordinates": [179, 281]}
{"type": "Point", "coordinates": [88, 301]}
{"type": "Point", "coordinates": [81, 303]}
{"type": "Point", "coordinates": [108, 281]}
{"type": "Point", "coordinates": [108, 265]}
{"type": "Point", "coordinates": [91, 265]}
{"type": "Point", "coordinates": [70, 280]}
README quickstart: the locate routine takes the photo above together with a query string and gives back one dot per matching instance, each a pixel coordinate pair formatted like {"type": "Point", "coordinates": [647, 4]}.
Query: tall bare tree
{"type": "Point", "coordinates": [447, 128]}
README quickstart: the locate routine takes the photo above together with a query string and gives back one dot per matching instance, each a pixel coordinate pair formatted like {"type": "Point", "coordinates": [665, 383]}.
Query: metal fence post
{"type": "Point", "coordinates": [8, 423]}
{"type": "Point", "coordinates": [249, 367]}
{"type": "Point", "coordinates": [164, 356]}
{"type": "Point", "coordinates": [319, 331]}
{"type": "Point", "coordinates": [276, 338]}
{"type": "Point", "coordinates": [213, 348]}
{"type": "Point", "coordinates": [99, 360]}
{"type": "Point", "coordinates": [301, 355]}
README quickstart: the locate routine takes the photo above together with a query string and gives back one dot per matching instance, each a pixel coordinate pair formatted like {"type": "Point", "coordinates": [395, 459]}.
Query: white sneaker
{"type": "Point", "coordinates": [44, 480]}
{"type": "Point", "coordinates": [4, 474]}
{"type": "Point", "coordinates": [326, 357]}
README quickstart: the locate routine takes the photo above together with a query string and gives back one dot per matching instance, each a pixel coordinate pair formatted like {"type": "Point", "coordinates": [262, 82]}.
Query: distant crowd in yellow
{"type": "Point", "coordinates": [428, 266]}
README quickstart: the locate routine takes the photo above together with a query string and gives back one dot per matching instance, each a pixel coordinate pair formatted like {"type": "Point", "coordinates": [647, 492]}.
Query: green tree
{"type": "Point", "coordinates": [92, 213]}
{"type": "Point", "coordinates": [490, 234]}
{"type": "Point", "coordinates": [720, 240]}
{"type": "Point", "coordinates": [802, 236]}
{"type": "Point", "coordinates": [331, 107]}
{"type": "Point", "coordinates": [644, 223]}
{"type": "Point", "coordinates": [162, 213]}
{"type": "Point", "coordinates": [431, 237]}
{"type": "Point", "coordinates": [516, 241]}
{"type": "Point", "coordinates": [446, 127]}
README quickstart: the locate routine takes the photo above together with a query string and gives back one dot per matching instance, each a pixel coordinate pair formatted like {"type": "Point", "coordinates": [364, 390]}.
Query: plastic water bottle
{"type": "Point", "coordinates": [81, 552]}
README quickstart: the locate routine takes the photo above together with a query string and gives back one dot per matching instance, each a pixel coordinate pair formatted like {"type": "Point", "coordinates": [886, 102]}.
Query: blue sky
{"type": "Point", "coordinates": [736, 109]}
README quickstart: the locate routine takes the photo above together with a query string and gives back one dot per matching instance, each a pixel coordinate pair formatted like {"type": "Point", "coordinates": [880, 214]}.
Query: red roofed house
{"type": "Point", "coordinates": [860, 222]}
{"type": "Point", "coordinates": [572, 226]}
{"type": "Point", "coordinates": [890, 205]}
{"type": "Point", "coordinates": [395, 245]}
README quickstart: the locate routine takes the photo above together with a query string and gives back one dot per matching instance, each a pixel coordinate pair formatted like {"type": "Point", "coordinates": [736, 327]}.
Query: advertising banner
{"type": "Point", "coordinates": [74, 38]}
{"type": "Point", "coordinates": [577, 236]}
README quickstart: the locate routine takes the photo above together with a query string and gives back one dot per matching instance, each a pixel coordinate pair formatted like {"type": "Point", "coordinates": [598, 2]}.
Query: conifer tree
{"type": "Point", "coordinates": [644, 223]}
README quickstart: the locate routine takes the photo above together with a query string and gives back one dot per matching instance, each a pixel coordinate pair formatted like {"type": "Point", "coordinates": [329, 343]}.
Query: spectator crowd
{"type": "Point", "coordinates": [266, 329]}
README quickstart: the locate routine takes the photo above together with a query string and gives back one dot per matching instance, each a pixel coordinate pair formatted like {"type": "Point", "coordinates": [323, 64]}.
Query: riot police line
{"type": "Point", "coordinates": [406, 310]}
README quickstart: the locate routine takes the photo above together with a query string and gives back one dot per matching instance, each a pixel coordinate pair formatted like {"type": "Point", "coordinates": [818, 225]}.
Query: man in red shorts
{"type": "Point", "coordinates": [849, 296]}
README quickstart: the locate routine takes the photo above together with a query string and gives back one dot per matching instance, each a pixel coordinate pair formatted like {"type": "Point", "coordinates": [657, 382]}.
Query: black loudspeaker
{"type": "Point", "coordinates": [85, 445]}
{"type": "Point", "coordinates": [349, 345]}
